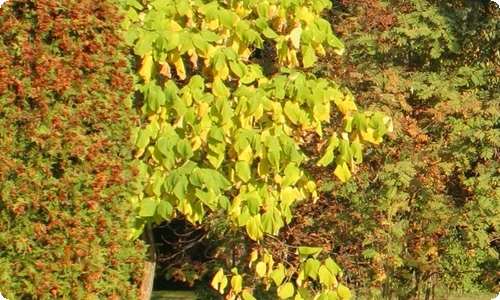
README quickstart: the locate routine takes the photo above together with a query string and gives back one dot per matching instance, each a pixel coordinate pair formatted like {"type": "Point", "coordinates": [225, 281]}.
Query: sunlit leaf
{"type": "Point", "coordinates": [253, 228]}
{"type": "Point", "coordinates": [286, 291]}
{"type": "Point", "coordinates": [308, 251]}
{"type": "Point", "coordinates": [219, 89]}
{"type": "Point", "coordinates": [278, 274]}
{"type": "Point", "coordinates": [219, 282]}
{"type": "Point", "coordinates": [332, 266]}
{"type": "Point", "coordinates": [342, 172]}
{"type": "Point", "coordinates": [344, 292]}
{"type": "Point", "coordinates": [261, 269]}
{"type": "Point", "coordinates": [295, 36]}
{"type": "Point", "coordinates": [236, 283]}
{"type": "Point", "coordinates": [146, 67]}
{"type": "Point", "coordinates": [148, 207]}
{"type": "Point", "coordinates": [247, 296]}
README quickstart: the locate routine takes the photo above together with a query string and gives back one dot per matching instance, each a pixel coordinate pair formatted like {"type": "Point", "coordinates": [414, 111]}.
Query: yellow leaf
{"type": "Point", "coordinates": [288, 195]}
{"type": "Point", "coordinates": [371, 136]}
{"type": "Point", "coordinates": [163, 113]}
{"type": "Point", "coordinates": [259, 112]}
{"type": "Point", "coordinates": [185, 207]}
{"type": "Point", "coordinates": [246, 154]}
{"type": "Point", "coordinates": [260, 269]}
{"type": "Point", "coordinates": [147, 66]}
{"type": "Point", "coordinates": [244, 53]}
{"type": "Point", "coordinates": [203, 134]}
{"type": "Point", "coordinates": [214, 24]}
{"type": "Point", "coordinates": [236, 206]}
{"type": "Point", "coordinates": [263, 169]}
{"type": "Point", "coordinates": [176, 59]}
{"type": "Point", "coordinates": [319, 129]}
{"type": "Point", "coordinates": [202, 109]}
{"type": "Point", "coordinates": [253, 257]}
{"type": "Point", "coordinates": [286, 291]}
{"type": "Point", "coordinates": [247, 296]}
{"type": "Point", "coordinates": [254, 228]}
{"type": "Point", "coordinates": [346, 106]}
{"type": "Point", "coordinates": [210, 52]}
{"type": "Point", "coordinates": [344, 292]}
{"type": "Point", "coordinates": [236, 283]}
{"type": "Point", "coordinates": [235, 42]}
{"type": "Point", "coordinates": [306, 15]}
{"type": "Point", "coordinates": [292, 59]}
{"type": "Point", "coordinates": [219, 89]}
{"type": "Point", "coordinates": [320, 50]}
{"type": "Point", "coordinates": [342, 172]}
{"type": "Point", "coordinates": [322, 112]}
{"type": "Point", "coordinates": [174, 26]}
{"type": "Point", "coordinates": [246, 122]}
{"type": "Point", "coordinates": [295, 36]}
{"type": "Point", "coordinates": [242, 12]}
{"type": "Point", "coordinates": [223, 73]}
{"type": "Point", "coordinates": [227, 128]}
{"type": "Point", "coordinates": [195, 143]}
{"type": "Point", "coordinates": [219, 282]}
{"type": "Point", "coordinates": [278, 274]}
{"type": "Point", "coordinates": [224, 33]}
{"type": "Point", "coordinates": [187, 97]}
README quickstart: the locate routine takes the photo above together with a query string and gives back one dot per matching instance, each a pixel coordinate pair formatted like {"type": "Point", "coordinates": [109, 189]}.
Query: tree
{"type": "Point", "coordinates": [424, 200]}
{"type": "Point", "coordinates": [225, 131]}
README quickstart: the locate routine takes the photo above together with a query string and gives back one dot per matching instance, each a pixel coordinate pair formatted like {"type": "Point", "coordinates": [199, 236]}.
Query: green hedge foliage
{"type": "Point", "coordinates": [65, 161]}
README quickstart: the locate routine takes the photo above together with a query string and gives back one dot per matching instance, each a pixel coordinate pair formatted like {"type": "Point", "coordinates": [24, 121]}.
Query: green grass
{"type": "Point", "coordinates": [442, 296]}
{"type": "Point", "coordinates": [473, 297]}
{"type": "Point", "coordinates": [188, 295]}
{"type": "Point", "coordinates": [173, 295]}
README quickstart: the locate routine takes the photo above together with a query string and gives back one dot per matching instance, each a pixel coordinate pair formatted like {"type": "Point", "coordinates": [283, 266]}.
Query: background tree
{"type": "Point", "coordinates": [421, 214]}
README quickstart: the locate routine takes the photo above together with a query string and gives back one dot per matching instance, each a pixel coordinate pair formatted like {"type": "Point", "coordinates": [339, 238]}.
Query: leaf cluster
{"type": "Point", "coordinates": [220, 136]}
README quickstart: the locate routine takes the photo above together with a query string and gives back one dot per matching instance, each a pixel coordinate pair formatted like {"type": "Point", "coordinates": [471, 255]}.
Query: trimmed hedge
{"type": "Point", "coordinates": [65, 160]}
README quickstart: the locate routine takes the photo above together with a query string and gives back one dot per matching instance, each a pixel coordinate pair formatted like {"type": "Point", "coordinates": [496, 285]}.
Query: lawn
{"type": "Point", "coordinates": [187, 295]}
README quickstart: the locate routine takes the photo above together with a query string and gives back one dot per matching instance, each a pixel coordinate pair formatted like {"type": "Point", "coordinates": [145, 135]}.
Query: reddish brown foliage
{"type": "Point", "coordinates": [64, 153]}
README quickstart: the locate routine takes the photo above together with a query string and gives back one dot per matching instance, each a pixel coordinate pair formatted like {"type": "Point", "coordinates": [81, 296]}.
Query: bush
{"type": "Point", "coordinates": [66, 163]}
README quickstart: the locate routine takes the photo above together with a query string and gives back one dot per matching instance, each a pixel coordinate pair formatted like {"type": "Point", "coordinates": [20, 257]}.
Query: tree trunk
{"type": "Point", "coordinates": [150, 265]}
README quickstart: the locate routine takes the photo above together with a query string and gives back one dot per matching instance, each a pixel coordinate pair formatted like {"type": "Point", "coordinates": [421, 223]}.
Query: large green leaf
{"type": "Point", "coordinates": [305, 252]}
{"type": "Point", "coordinates": [243, 170]}
{"type": "Point", "coordinates": [165, 210]}
{"type": "Point", "coordinates": [293, 112]}
{"type": "Point", "coordinates": [148, 207]}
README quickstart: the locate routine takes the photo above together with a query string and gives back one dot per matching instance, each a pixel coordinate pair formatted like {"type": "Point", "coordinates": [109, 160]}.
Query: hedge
{"type": "Point", "coordinates": [66, 168]}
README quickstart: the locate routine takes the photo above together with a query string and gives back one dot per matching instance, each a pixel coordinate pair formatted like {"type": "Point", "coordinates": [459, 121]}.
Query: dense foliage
{"type": "Point", "coordinates": [421, 216]}
{"type": "Point", "coordinates": [65, 163]}
{"type": "Point", "coordinates": [225, 131]}
{"type": "Point", "coordinates": [244, 115]}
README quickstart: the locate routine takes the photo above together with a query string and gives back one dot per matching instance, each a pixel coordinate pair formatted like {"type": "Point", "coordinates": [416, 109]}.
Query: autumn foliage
{"type": "Point", "coordinates": [65, 161]}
